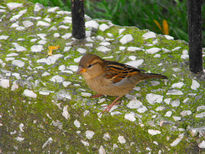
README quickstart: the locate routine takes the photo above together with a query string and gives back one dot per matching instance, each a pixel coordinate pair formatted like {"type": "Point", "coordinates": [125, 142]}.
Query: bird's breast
{"type": "Point", "coordinates": [104, 86]}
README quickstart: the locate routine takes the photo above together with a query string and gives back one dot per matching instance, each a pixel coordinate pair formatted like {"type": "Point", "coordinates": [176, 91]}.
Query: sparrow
{"type": "Point", "coordinates": [111, 78]}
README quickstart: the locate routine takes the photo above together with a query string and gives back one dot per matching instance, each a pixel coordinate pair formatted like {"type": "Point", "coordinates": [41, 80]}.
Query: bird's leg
{"type": "Point", "coordinates": [112, 104]}
{"type": "Point", "coordinates": [96, 96]}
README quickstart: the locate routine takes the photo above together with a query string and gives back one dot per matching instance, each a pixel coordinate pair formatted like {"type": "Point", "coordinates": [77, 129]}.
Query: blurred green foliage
{"type": "Point", "coordinates": [140, 13]}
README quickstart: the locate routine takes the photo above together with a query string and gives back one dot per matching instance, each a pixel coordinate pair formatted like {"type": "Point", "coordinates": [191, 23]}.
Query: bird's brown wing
{"type": "Point", "coordinates": [116, 72]}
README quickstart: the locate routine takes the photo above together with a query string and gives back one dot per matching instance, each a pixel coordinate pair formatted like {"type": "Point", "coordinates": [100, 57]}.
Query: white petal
{"type": "Point", "coordinates": [176, 142]}
{"type": "Point", "coordinates": [89, 134]}
{"type": "Point", "coordinates": [43, 23]}
{"type": "Point", "coordinates": [195, 85]}
{"type": "Point", "coordinates": [149, 35]}
{"type": "Point", "coordinates": [18, 63]}
{"type": "Point", "coordinates": [202, 144]}
{"type": "Point", "coordinates": [12, 6]}
{"type": "Point", "coordinates": [77, 123]}
{"type": "Point", "coordinates": [103, 49]}
{"type": "Point", "coordinates": [130, 116]}
{"type": "Point", "coordinates": [135, 63]}
{"type": "Point", "coordinates": [29, 93]}
{"type": "Point", "coordinates": [49, 141]}
{"type": "Point", "coordinates": [126, 39]}
{"type": "Point", "coordinates": [103, 27]}
{"type": "Point", "coordinates": [92, 24]}
{"type": "Point", "coordinates": [4, 83]}
{"type": "Point", "coordinates": [153, 50]}
{"type": "Point", "coordinates": [65, 112]}
{"type": "Point", "coordinates": [121, 139]}
{"type": "Point", "coordinates": [153, 132]}
{"type": "Point", "coordinates": [154, 98]}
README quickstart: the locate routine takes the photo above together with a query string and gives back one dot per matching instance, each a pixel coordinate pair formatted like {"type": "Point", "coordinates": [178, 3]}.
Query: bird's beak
{"type": "Point", "coordinates": [81, 70]}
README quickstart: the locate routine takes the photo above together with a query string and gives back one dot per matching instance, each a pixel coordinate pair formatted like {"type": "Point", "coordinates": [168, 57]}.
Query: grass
{"type": "Point", "coordinates": [145, 14]}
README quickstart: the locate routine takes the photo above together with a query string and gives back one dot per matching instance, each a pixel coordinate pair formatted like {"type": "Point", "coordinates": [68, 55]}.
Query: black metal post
{"type": "Point", "coordinates": [78, 21]}
{"type": "Point", "coordinates": [195, 35]}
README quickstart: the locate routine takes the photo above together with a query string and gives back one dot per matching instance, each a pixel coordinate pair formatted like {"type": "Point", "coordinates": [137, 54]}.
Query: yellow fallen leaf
{"type": "Point", "coordinates": [51, 48]}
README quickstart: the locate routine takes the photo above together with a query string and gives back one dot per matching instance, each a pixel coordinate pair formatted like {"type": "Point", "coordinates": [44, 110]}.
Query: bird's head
{"type": "Point", "coordinates": [90, 66]}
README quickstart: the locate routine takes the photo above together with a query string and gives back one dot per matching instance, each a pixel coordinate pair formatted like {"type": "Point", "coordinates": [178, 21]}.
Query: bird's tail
{"type": "Point", "coordinates": [153, 76]}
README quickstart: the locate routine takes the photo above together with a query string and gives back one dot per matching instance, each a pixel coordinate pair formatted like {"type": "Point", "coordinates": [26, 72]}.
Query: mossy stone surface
{"type": "Point", "coordinates": [47, 123]}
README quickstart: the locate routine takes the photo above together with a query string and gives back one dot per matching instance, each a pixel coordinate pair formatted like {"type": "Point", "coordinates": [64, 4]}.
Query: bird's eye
{"type": "Point", "coordinates": [90, 65]}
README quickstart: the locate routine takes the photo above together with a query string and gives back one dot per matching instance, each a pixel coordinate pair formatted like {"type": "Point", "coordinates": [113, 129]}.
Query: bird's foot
{"type": "Point", "coordinates": [96, 96]}
{"type": "Point", "coordinates": [109, 107]}
{"type": "Point", "coordinates": [115, 102]}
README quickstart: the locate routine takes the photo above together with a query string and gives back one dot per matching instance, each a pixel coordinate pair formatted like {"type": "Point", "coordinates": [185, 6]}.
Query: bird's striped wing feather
{"type": "Point", "coordinates": [116, 71]}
